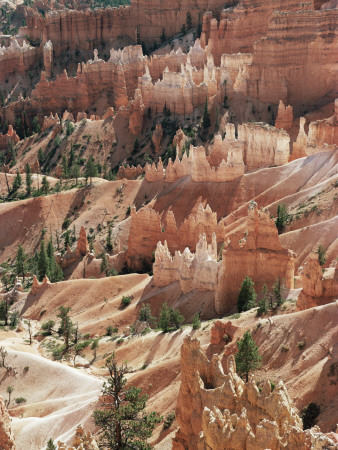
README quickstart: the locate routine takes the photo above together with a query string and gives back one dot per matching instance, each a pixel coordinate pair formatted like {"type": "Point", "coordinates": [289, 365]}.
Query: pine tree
{"type": "Point", "coordinates": [65, 170]}
{"type": "Point", "coordinates": [75, 173]}
{"type": "Point", "coordinates": [109, 244]}
{"type": "Point", "coordinates": [123, 422]}
{"type": "Point", "coordinates": [247, 295]}
{"type": "Point", "coordinates": [67, 239]}
{"type": "Point", "coordinates": [91, 169]}
{"type": "Point", "coordinates": [20, 263]}
{"type": "Point", "coordinates": [263, 304]}
{"type": "Point", "coordinates": [206, 115]}
{"type": "Point", "coordinates": [28, 171]}
{"type": "Point", "coordinates": [196, 322]}
{"type": "Point", "coordinates": [321, 255]}
{"type": "Point", "coordinates": [17, 181]}
{"type": "Point", "coordinates": [164, 318]}
{"type": "Point", "coordinates": [282, 217]}
{"type": "Point", "coordinates": [277, 292]}
{"type": "Point", "coordinates": [104, 263]}
{"type": "Point", "coordinates": [45, 184]}
{"type": "Point", "coordinates": [43, 265]}
{"type": "Point", "coordinates": [50, 445]}
{"type": "Point", "coordinates": [36, 128]}
{"type": "Point", "coordinates": [247, 357]}
{"type": "Point", "coordinates": [66, 327]}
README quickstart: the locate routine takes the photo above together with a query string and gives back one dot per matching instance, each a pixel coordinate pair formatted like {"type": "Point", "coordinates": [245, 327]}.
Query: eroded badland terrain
{"type": "Point", "coordinates": [153, 155]}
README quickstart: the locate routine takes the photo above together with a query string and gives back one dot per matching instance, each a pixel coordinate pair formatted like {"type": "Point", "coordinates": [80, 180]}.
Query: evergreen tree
{"type": "Point", "coordinates": [321, 255]}
{"type": "Point", "coordinates": [45, 185]}
{"type": "Point", "coordinates": [43, 266]}
{"type": "Point", "coordinates": [196, 322]}
{"type": "Point", "coordinates": [123, 422]}
{"type": "Point", "coordinates": [50, 445]}
{"type": "Point", "coordinates": [145, 313]}
{"type": "Point", "coordinates": [91, 169]}
{"type": "Point", "coordinates": [277, 292]}
{"type": "Point", "coordinates": [247, 357]}
{"type": "Point", "coordinates": [41, 156]}
{"type": "Point", "coordinates": [164, 318]}
{"type": "Point", "coordinates": [263, 304]}
{"type": "Point", "coordinates": [75, 173]}
{"type": "Point", "coordinates": [282, 217]}
{"type": "Point", "coordinates": [17, 181]}
{"type": "Point", "coordinates": [65, 171]}
{"type": "Point", "coordinates": [66, 327]}
{"type": "Point", "coordinates": [109, 244]}
{"type": "Point", "coordinates": [104, 263]}
{"type": "Point", "coordinates": [247, 295]}
{"type": "Point", "coordinates": [67, 239]}
{"type": "Point", "coordinates": [20, 263]}
{"type": "Point", "coordinates": [36, 128]}
{"type": "Point", "coordinates": [206, 116]}
{"type": "Point", "coordinates": [28, 171]}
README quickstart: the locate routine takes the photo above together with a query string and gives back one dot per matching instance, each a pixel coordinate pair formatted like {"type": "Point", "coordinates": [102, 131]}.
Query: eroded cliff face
{"type": "Point", "coordinates": [17, 59]}
{"type": "Point", "coordinates": [6, 438]}
{"type": "Point", "coordinates": [252, 250]}
{"type": "Point", "coordinates": [156, 228]}
{"type": "Point", "coordinates": [318, 286]}
{"type": "Point", "coordinates": [217, 410]}
{"type": "Point", "coordinates": [143, 21]}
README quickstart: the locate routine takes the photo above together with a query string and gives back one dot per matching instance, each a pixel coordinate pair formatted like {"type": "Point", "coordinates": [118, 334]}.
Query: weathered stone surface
{"type": "Point", "coordinates": [284, 116]}
{"type": "Point", "coordinates": [192, 271]}
{"type": "Point", "coordinates": [156, 228]}
{"type": "Point", "coordinates": [9, 138]}
{"type": "Point", "coordinates": [252, 250]}
{"type": "Point", "coordinates": [6, 438]}
{"type": "Point", "coordinates": [82, 441]}
{"type": "Point", "coordinates": [82, 244]}
{"type": "Point", "coordinates": [219, 411]}
{"type": "Point", "coordinates": [157, 137]}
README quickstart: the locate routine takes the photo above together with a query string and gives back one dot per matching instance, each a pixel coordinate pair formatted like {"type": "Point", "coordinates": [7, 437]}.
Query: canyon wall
{"type": "Point", "coordinates": [17, 59]}
{"type": "Point", "coordinates": [217, 410]}
{"type": "Point", "coordinates": [142, 21]}
{"type": "Point", "coordinates": [6, 437]}
{"type": "Point", "coordinates": [253, 250]}
{"type": "Point", "coordinates": [157, 228]}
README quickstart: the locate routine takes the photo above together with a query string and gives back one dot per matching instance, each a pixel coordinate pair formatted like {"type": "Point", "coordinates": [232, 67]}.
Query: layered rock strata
{"type": "Point", "coordinates": [217, 410]}
{"type": "Point", "coordinates": [252, 250]}
{"type": "Point", "coordinates": [17, 59]}
{"type": "Point", "coordinates": [155, 228]}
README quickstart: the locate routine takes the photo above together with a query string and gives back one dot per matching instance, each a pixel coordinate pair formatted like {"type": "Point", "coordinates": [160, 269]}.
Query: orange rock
{"type": "Point", "coordinates": [6, 438]}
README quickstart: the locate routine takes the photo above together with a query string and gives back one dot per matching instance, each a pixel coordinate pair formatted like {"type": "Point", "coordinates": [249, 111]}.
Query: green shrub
{"type": "Point", "coordinates": [126, 300]}
{"type": "Point", "coordinates": [196, 322]}
{"type": "Point", "coordinates": [20, 400]}
{"type": "Point", "coordinates": [309, 415]}
{"type": "Point", "coordinates": [169, 420]}
{"type": "Point", "coordinates": [111, 330]}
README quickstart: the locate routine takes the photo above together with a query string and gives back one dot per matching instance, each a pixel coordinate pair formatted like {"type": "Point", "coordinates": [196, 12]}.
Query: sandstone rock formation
{"type": "Point", "coordinates": [192, 271]}
{"type": "Point", "coordinates": [157, 228]}
{"type": "Point", "coordinates": [10, 138]}
{"type": "Point", "coordinates": [217, 410]}
{"type": "Point", "coordinates": [157, 137]}
{"type": "Point", "coordinates": [322, 136]}
{"type": "Point", "coordinates": [319, 287]}
{"type": "Point", "coordinates": [179, 142]}
{"type": "Point", "coordinates": [6, 438]}
{"type": "Point", "coordinates": [17, 59]}
{"type": "Point", "coordinates": [129, 172]}
{"type": "Point", "coordinates": [263, 145]}
{"type": "Point", "coordinates": [38, 287]}
{"type": "Point", "coordinates": [252, 250]}
{"type": "Point", "coordinates": [82, 249]}
{"type": "Point", "coordinates": [48, 58]}
{"type": "Point", "coordinates": [284, 117]}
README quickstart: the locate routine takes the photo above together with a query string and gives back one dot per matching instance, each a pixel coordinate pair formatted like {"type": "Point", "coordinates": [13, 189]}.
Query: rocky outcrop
{"type": "Point", "coordinates": [284, 116]}
{"type": "Point", "coordinates": [129, 172]}
{"type": "Point", "coordinates": [322, 136]}
{"type": "Point", "coordinates": [217, 410]}
{"type": "Point", "coordinates": [48, 58]}
{"type": "Point", "coordinates": [156, 228]}
{"type": "Point", "coordinates": [318, 286]}
{"type": "Point", "coordinates": [136, 111]}
{"type": "Point", "coordinates": [253, 250]}
{"type": "Point", "coordinates": [82, 249]}
{"type": "Point", "coordinates": [6, 438]}
{"type": "Point", "coordinates": [39, 287]}
{"type": "Point", "coordinates": [82, 246]}
{"type": "Point", "coordinates": [82, 441]}
{"type": "Point", "coordinates": [10, 138]}
{"type": "Point", "coordinates": [17, 59]}
{"type": "Point", "coordinates": [179, 142]}
{"type": "Point", "coordinates": [192, 270]}
{"type": "Point", "coordinates": [157, 137]}
{"type": "Point", "coordinates": [140, 22]}
{"type": "Point", "coordinates": [198, 167]}
{"type": "Point", "coordinates": [263, 145]}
